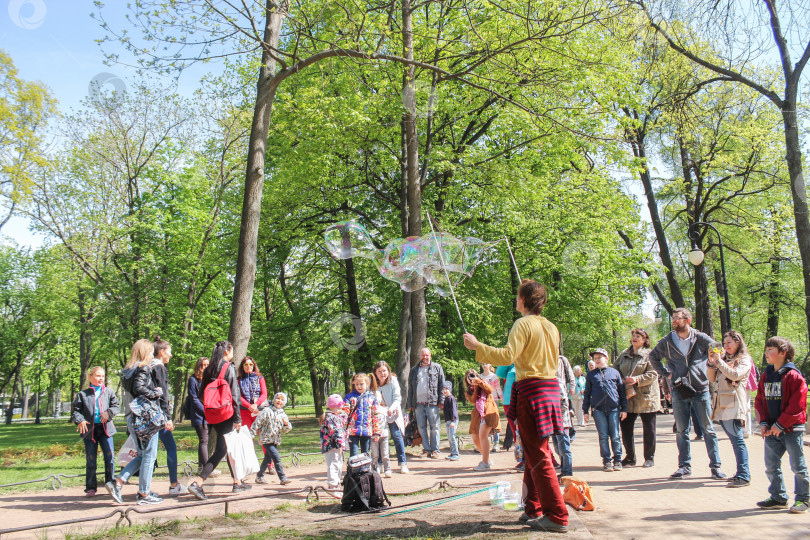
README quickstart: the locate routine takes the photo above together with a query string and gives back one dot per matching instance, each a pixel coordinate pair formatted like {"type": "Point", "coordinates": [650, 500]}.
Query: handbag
{"type": "Point", "coordinates": [630, 389]}
{"type": "Point", "coordinates": [578, 494]}
{"type": "Point", "coordinates": [684, 388]}
{"type": "Point", "coordinates": [148, 418]}
{"type": "Point", "coordinates": [241, 453]}
{"type": "Point", "coordinates": [248, 451]}
{"type": "Point", "coordinates": [128, 452]}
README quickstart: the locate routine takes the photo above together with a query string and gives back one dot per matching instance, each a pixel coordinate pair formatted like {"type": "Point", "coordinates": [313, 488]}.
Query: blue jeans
{"type": "Point", "coordinates": [359, 443]}
{"type": "Point", "coordinates": [144, 463]}
{"type": "Point", "coordinates": [695, 422]}
{"type": "Point", "coordinates": [271, 455]}
{"type": "Point", "coordinates": [734, 430]}
{"type": "Point", "coordinates": [399, 442]}
{"type": "Point", "coordinates": [607, 425]}
{"type": "Point", "coordinates": [427, 420]}
{"type": "Point", "coordinates": [562, 444]}
{"type": "Point", "coordinates": [703, 410]}
{"type": "Point", "coordinates": [167, 439]}
{"type": "Point", "coordinates": [775, 448]}
{"type": "Point", "coordinates": [451, 437]}
{"type": "Point", "coordinates": [91, 453]}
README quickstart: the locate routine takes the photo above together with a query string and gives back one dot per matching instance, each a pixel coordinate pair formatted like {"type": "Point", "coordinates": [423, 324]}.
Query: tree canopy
{"type": "Point", "coordinates": [583, 134]}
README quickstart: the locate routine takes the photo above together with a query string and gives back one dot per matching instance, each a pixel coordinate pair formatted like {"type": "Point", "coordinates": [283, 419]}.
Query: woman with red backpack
{"type": "Point", "coordinates": [221, 411]}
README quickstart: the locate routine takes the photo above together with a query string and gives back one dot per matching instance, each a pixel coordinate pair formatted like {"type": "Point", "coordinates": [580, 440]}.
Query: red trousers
{"type": "Point", "coordinates": [543, 495]}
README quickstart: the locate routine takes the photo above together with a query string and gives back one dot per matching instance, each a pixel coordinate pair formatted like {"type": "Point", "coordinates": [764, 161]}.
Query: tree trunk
{"type": "Point", "coordinates": [418, 316]}
{"type": "Point", "coordinates": [798, 191]}
{"type": "Point", "coordinates": [180, 378]}
{"type": "Point", "coordinates": [774, 284]}
{"type": "Point", "coordinates": [403, 366]}
{"type": "Point", "coordinates": [703, 312]}
{"type": "Point", "coordinates": [718, 282]}
{"type": "Point", "coordinates": [354, 308]}
{"type": "Point", "coordinates": [10, 410]}
{"type": "Point", "coordinates": [317, 392]}
{"type": "Point", "coordinates": [638, 145]}
{"type": "Point", "coordinates": [85, 339]}
{"type": "Point", "coordinates": [239, 332]}
{"type": "Point", "coordinates": [26, 399]}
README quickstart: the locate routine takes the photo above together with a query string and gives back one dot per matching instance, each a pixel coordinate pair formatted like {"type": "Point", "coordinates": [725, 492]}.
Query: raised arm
{"type": "Point", "coordinates": [486, 354]}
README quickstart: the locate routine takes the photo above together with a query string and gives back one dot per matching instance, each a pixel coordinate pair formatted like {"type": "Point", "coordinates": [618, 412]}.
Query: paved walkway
{"type": "Point", "coordinates": [633, 503]}
{"type": "Point", "coordinates": [645, 503]}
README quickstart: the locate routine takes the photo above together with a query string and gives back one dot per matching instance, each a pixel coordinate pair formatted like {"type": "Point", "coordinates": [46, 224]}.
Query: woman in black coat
{"type": "Point", "coordinates": [196, 412]}
{"type": "Point", "coordinates": [136, 379]}
{"type": "Point", "coordinates": [220, 357]}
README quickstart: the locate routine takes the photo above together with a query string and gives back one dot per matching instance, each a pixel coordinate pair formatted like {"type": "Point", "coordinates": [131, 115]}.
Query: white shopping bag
{"type": "Point", "coordinates": [251, 461]}
{"type": "Point", "coordinates": [128, 452]}
{"type": "Point", "coordinates": [241, 453]}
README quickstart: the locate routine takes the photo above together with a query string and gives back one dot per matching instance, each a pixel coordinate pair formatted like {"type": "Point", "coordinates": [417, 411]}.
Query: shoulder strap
{"type": "Point", "coordinates": [354, 410]}
{"type": "Point", "coordinates": [224, 369]}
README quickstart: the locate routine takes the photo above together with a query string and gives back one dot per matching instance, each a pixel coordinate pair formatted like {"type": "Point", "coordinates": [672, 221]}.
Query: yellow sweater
{"type": "Point", "coordinates": [533, 346]}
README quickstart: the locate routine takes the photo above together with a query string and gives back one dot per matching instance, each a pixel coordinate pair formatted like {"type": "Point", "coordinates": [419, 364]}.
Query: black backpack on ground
{"type": "Point", "coordinates": [362, 487]}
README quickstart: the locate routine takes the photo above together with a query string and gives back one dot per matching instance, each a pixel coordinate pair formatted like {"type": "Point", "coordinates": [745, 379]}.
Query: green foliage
{"type": "Point", "coordinates": [522, 120]}
{"type": "Point", "coordinates": [25, 108]}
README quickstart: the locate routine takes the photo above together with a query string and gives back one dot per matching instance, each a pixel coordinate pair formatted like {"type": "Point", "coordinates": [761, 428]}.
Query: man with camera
{"type": "Point", "coordinates": [424, 391]}
{"type": "Point", "coordinates": [685, 378]}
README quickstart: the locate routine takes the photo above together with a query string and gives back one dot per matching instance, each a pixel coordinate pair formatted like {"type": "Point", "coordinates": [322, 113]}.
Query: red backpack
{"type": "Point", "coordinates": [218, 399]}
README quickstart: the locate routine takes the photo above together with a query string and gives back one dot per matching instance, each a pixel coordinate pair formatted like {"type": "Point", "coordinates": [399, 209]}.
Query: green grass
{"type": "Point", "coordinates": [152, 529]}
{"type": "Point", "coordinates": [30, 451]}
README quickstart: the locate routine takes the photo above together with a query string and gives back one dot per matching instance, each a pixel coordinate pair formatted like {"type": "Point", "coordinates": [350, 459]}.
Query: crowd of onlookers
{"type": "Point", "coordinates": [544, 399]}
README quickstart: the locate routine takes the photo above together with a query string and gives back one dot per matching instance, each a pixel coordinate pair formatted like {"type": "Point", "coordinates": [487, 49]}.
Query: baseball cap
{"type": "Point", "coordinates": [600, 351]}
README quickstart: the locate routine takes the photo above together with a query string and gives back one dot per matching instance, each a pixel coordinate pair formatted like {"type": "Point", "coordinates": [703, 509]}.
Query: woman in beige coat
{"type": "Point", "coordinates": [730, 405]}
{"type": "Point", "coordinates": [641, 388]}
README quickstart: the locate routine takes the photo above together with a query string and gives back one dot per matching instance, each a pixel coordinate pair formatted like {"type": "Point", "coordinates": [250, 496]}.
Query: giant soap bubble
{"type": "Point", "coordinates": [440, 259]}
{"type": "Point", "coordinates": [347, 239]}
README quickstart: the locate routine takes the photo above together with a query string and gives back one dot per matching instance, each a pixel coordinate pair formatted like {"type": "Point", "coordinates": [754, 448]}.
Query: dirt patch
{"type": "Point", "coordinates": [472, 517]}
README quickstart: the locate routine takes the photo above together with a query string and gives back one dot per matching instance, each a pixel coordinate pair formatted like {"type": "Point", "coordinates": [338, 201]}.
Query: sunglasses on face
{"type": "Point", "coordinates": [248, 364]}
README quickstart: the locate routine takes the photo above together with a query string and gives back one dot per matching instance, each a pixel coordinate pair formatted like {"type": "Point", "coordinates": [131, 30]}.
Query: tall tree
{"type": "Point", "coordinates": [350, 31]}
{"type": "Point", "coordinates": [741, 52]}
{"type": "Point", "coordinates": [25, 108]}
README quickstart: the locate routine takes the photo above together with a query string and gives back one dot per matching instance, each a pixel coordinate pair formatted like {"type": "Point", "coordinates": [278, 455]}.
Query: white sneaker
{"type": "Point", "coordinates": [387, 473]}
{"type": "Point", "coordinates": [403, 469]}
{"type": "Point", "coordinates": [178, 489]}
{"type": "Point", "coordinates": [215, 472]}
{"type": "Point", "coordinates": [483, 466]}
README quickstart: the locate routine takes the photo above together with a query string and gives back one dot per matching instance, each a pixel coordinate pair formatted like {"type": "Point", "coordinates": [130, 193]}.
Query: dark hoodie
{"type": "Point", "coordinates": [678, 365]}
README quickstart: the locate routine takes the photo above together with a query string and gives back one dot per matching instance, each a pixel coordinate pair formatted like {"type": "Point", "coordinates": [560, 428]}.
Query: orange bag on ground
{"type": "Point", "coordinates": [577, 493]}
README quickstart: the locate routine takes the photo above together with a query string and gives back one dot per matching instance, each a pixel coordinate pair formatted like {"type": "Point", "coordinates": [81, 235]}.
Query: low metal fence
{"type": "Point", "coordinates": [125, 514]}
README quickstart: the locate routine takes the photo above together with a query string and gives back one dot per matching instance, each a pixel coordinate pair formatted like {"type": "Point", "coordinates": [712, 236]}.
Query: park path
{"type": "Point", "coordinates": [633, 503]}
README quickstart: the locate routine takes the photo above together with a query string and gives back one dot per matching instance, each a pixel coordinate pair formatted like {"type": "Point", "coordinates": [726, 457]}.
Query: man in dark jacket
{"type": "Point", "coordinates": [684, 376]}
{"type": "Point", "coordinates": [425, 387]}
